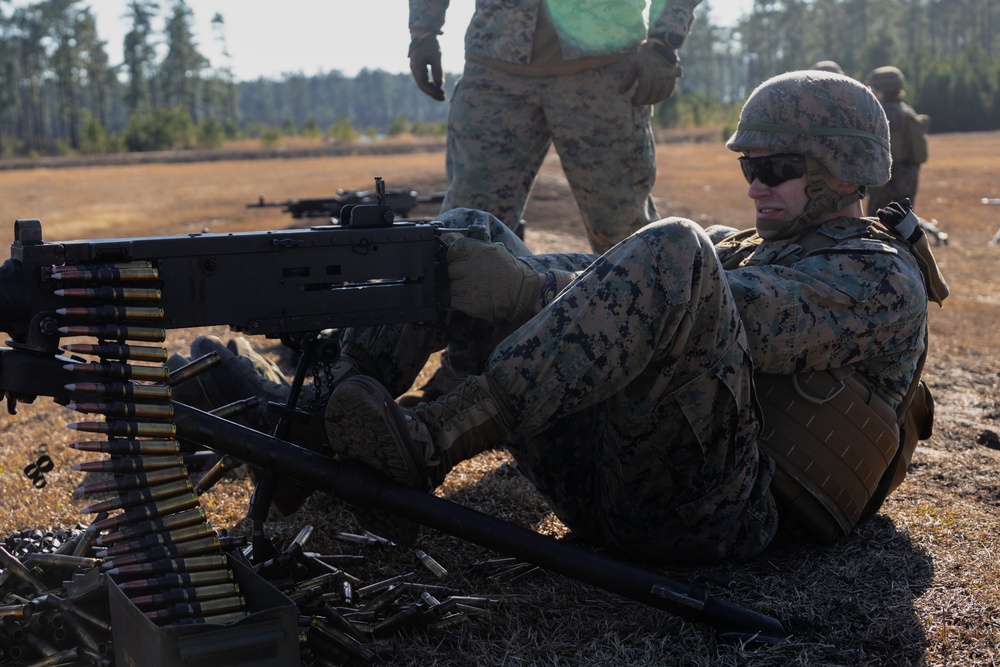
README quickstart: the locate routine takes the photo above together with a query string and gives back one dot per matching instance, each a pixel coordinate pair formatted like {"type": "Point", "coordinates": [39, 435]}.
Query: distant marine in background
{"type": "Point", "coordinates": [908, 137]}
{"type": "Point", "coordinates": [828, 66]}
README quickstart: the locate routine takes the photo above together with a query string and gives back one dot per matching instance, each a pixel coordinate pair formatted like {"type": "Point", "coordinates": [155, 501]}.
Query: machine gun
{"type": "Point", "coordinates": [400, 200]}
{"type": "Point", "coordinates": [367, 270]}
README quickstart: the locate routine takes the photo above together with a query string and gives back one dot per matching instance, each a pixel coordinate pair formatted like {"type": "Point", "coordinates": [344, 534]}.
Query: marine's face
{"type": "Point", "coordinates": [783, 201]}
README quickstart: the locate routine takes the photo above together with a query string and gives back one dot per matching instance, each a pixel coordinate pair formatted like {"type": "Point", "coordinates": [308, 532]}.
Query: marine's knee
{"type": "Point", "coordinates": [460, 218]}
{"type": "Point", "coordinates": [676, 250]}
{"type": "Point", "coordinates": [717, 233]}
{"type": "Point", "coordinates": [496, 230]}
{"type": "Point", "coordinates": [675, 237]}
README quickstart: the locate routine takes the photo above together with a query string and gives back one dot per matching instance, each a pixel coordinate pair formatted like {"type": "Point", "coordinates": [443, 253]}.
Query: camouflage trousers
{"type": "Point", "coordinates": [629, 400]}
{"type": "Point", "coordinates": [902, 185]}
{"type": "Point", "coordinates": [500, 127]}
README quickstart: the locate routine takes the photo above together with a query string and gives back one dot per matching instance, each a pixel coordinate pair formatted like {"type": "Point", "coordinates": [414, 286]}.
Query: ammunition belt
{"type": "Point", "coordinates": [153, 534]}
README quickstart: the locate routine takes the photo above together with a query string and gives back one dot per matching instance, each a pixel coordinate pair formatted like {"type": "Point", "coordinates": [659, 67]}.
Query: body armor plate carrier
{"type": "Point", "coordinates": [833, 441]}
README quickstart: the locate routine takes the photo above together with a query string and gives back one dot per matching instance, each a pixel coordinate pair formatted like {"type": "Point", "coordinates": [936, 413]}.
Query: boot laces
{"type": "Point", "coordinates": [450, 406]}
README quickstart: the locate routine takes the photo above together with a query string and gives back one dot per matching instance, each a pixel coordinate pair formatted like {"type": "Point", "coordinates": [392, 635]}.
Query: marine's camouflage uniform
{"type": "Point", "coordinates": [630, 395]}
{"type": "Point", "coordinates": [502, 120]}
{"type": "Point", "coordinates": [394, 354]}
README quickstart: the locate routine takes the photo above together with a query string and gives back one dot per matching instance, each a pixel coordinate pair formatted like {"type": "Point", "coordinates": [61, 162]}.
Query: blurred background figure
{"type": "Point", "coordinates": [581, 74]}
{"type": "Point", "coordinates": [907, 134]}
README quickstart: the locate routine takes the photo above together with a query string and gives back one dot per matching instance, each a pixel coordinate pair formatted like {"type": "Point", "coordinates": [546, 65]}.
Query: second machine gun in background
{"type": "Point", "coordinates": [400, 200]}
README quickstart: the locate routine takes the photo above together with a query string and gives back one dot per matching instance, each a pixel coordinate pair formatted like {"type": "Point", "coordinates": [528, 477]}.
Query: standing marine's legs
{"type": "Point", "coordinates": [607, 150]}
{"type": "Point", "coordinates": [497, 139]}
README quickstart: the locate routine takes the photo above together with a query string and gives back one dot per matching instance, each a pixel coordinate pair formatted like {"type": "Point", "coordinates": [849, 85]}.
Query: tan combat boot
{"type": "Point", "coordinates": [416, 447]}
{"type": "Point", "coordinates": [241, 373]}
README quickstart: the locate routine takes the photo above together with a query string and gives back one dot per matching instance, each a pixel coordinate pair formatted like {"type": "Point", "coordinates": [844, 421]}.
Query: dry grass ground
{"type": "Point", "coordinates": [918, 585]}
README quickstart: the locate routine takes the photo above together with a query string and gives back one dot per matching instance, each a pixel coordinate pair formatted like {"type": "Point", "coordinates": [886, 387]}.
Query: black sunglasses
{"type": "Point", "coordinates": [773, 170]}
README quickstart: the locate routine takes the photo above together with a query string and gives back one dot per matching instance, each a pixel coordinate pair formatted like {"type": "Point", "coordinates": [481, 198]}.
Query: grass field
{"type": "Point", "coordinates": [918, 585]}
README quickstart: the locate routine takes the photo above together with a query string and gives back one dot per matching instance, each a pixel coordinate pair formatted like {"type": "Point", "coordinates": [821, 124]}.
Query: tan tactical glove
{"type": "Point", "coordinates": [489, 283]}
{"type": "Point", "coordinates": [425, 52]}
{"type": "Point", "coordinates": [653, 71]}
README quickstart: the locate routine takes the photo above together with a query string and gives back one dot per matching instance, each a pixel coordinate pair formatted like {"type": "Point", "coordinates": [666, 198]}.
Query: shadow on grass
{"type": "Point", "coordinates": [850, 603]}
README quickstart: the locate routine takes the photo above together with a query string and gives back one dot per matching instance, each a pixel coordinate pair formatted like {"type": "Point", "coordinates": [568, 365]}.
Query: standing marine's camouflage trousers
{"type": "Point", "coordinates": [500, 127]}
{"type": "Point", "coordinates": [630, 400]}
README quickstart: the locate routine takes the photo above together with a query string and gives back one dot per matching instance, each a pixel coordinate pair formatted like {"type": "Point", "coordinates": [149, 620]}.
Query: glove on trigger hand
{"type": "Point", "coordinates": [653, 71]}
{"type": "Point", "coordinates": [893, 214]}
{"type": "Point", "coordinates": [426, 52]}
{"type": "Point", "coordinates": [489, 283]}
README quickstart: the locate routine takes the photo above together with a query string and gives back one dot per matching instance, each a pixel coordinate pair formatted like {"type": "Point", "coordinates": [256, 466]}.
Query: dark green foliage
{"type": "Point", "coordinates": [948, 51]}
{"type": "Point", "coordinates": [95, 140]}
{"type": "Point", "coordinates": [693, 110]}
{"type": "Point", "coordinates": [372, 98]}
{"type": "Point", "coordinates": [210, 134]}
{"type": "Point", "coordinates": [164, 129]}
{"type": "Point", "coordinates": [341, 131]}
{"type": "Point", "coordinates": [399, 125]}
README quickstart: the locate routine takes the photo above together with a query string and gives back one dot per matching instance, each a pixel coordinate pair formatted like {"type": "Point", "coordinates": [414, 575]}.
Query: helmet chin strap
{"type": "Point", "coordinates": [822, 199]}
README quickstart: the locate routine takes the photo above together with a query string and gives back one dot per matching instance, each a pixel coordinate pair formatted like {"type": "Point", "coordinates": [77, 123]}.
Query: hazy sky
{"type": "Point", "coordinates": [267, 38]}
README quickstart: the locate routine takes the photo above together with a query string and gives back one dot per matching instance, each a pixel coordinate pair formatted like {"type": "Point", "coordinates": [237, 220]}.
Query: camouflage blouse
{"type": "Point", "coordinates": [843, 293]}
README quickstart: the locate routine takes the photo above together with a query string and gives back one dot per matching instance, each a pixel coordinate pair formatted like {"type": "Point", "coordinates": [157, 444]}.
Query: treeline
{"type": "Point", "coordinates": [373, 102]}
{"type": "Point", "coordinates": [59, 93]}
{"type": "Point", "coordinates": [949, 51]}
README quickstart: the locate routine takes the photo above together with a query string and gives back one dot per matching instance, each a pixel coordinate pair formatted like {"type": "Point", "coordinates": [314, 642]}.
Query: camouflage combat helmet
{"type": "Point", "coordinates": [886, 79]}
{"type": "Point", "coordinates": [832, 120]}
{"type": "Point", "coordinates": [828, 66]}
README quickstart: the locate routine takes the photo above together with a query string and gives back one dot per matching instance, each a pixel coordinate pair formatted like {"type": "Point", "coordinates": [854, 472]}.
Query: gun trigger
{"type": "Point", "coordinates": [11, 404]}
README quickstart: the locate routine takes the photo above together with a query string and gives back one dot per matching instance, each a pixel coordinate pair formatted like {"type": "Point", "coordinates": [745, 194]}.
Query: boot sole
{"type": "Point", "coordinates": [365, 425]}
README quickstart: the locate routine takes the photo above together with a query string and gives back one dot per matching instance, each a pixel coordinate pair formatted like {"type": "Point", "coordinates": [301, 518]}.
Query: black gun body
{"type": "Point", "coordinates": [27, 375]}
{"type": "Point", "coordinates": [270, 282]}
